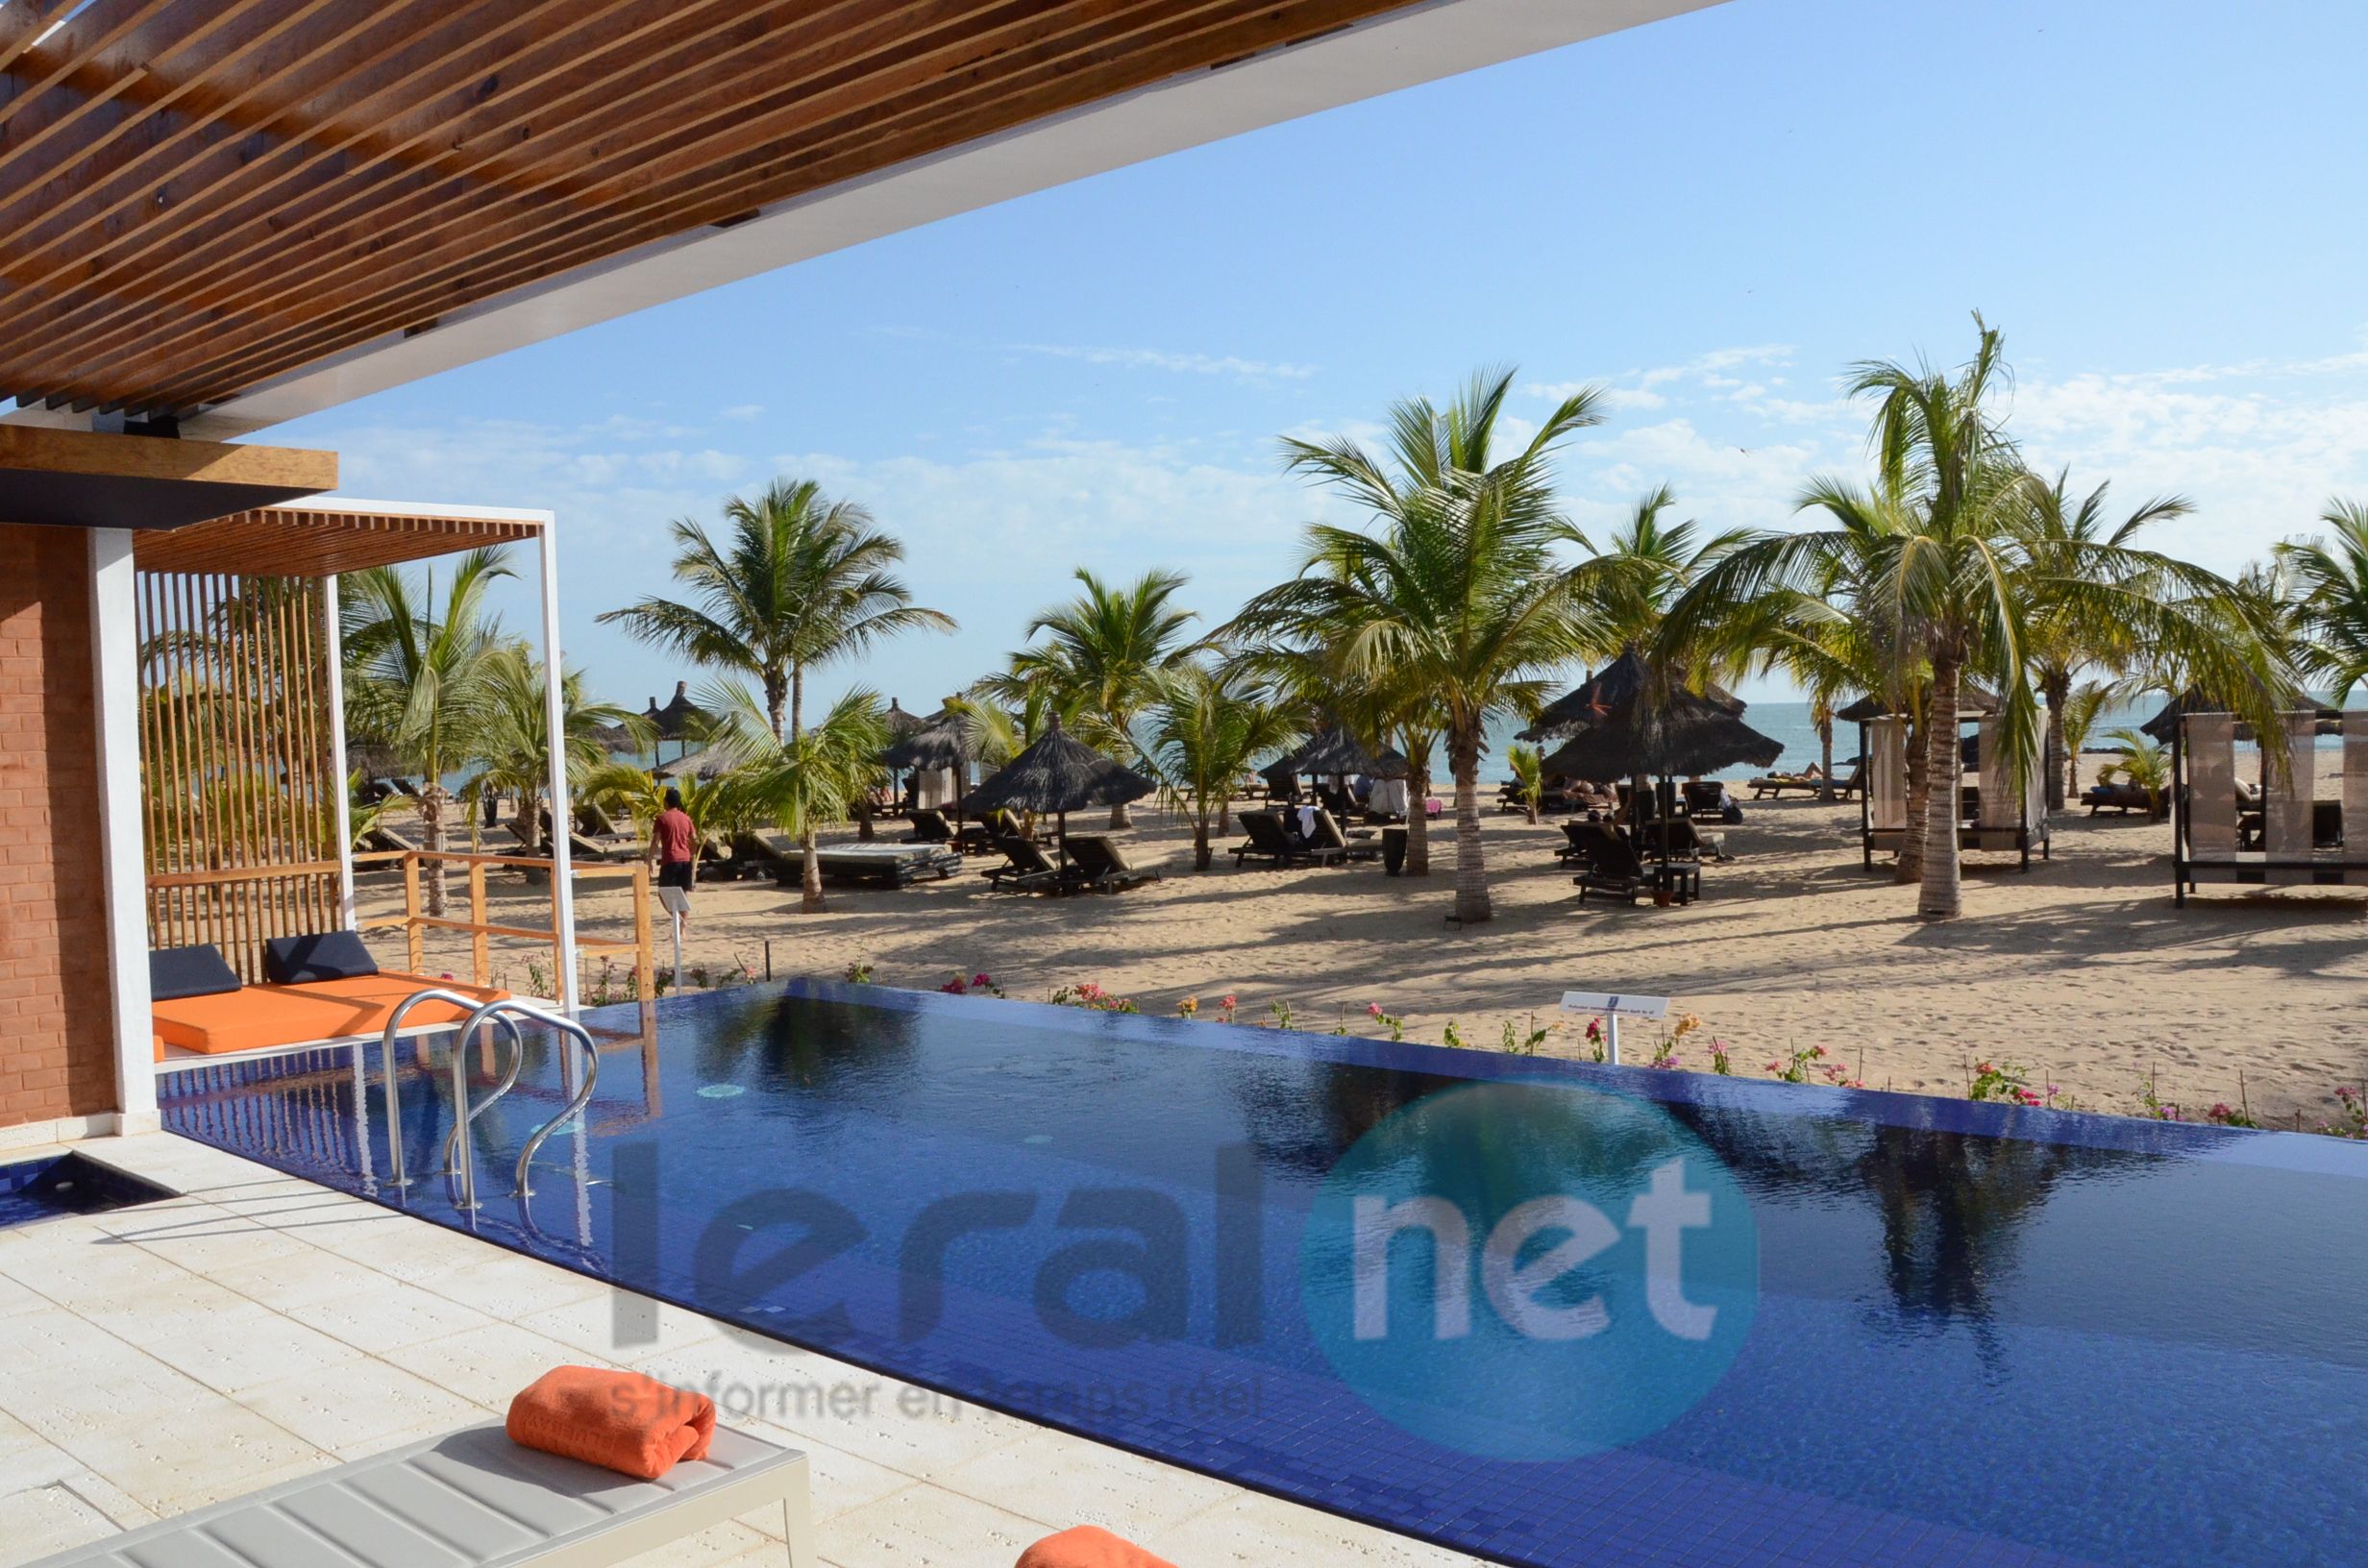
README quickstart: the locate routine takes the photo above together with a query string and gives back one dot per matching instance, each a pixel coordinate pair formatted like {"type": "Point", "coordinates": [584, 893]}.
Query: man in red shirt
{"type": "Point", "coordinates": [674, 848]}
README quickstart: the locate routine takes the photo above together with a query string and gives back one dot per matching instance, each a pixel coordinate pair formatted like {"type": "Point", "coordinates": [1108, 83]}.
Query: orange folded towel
{"type": "Point", "coordinates": [620, 1421]}
{"type": "Point", "coordinates": [1088, 1546]}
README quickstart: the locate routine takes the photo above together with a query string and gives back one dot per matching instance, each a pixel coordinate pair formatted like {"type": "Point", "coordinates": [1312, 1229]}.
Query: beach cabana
{"type": "Point", "coordinates": [1058, 775]}
{"type": "Point", "coordinates": [2274, 831]}
{"type": "Point", "coordinates": [938, 752]}
{"type": "Point", "coordinates": [1997, 812]}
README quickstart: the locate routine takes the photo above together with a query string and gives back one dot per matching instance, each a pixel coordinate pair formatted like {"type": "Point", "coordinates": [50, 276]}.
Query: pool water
{"type": "Point", "coordinates": [67, 1184]}
{"type": "Point", "coordinates": [1981, 1335]}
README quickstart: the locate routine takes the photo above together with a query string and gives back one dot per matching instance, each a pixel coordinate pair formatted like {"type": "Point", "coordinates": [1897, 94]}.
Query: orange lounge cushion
{"type": "Point", "coordinates": [368, 1000]}
{"type": "Point", "coordinates": [1089, 1546]}
{"type": "Point", "coordinates": [247, 1019]}
{"type": "Point", "coordinates": [620, 1421]}
{"type": "Point", "coordinates": [256, 1017]}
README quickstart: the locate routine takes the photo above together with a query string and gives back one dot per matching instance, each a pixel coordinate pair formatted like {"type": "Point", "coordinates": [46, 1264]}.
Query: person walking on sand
{"type": "Point", "coordinates": [674, 850]}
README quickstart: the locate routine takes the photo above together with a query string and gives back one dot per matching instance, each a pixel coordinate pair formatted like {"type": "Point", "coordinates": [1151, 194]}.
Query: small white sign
{"type": "Point", "coordinates": [1614, 1005]}
{"type": "Point", "coordinates": [673, 901]}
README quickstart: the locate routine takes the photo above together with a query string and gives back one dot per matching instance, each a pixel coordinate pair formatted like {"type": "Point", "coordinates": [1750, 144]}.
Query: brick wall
{"type": "Point", "coordinates": [56, 1056]}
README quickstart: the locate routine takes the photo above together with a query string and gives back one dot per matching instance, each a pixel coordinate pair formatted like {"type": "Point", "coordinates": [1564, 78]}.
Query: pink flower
{"type": "Point", "coordinates": [981, 981]}
{"type": "Point", "coordinates": [1225, 1000]}
{"type": "Point", "coordinates": [1373, 1010]}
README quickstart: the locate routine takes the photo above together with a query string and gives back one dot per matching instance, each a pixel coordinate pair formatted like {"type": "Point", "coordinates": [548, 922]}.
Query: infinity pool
{"type": "Point", "coordinates": [1981, 1336]}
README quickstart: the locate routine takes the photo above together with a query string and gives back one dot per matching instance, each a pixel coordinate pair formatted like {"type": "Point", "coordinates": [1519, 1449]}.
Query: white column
{"type": "Point", "coordinates": [562, 816]}
{"type": "Point", "coordinates": [123, 876]}
{"type": "Point", "coordinates": [334, 655]}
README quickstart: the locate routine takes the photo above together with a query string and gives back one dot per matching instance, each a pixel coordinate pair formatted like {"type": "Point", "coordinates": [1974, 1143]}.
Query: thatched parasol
{"type": "Point", "coordinates": [1972, 703]}
{"type": "Point", "coordinates": [707, 763]}
{"type": "Point", "coordinates": [941, 741]}
{"type": "Point", "coordinates": [374, 761]}
{"type": "Point", "coordinates": [901, 723]}
{"type": "Point", "coordinates": [679, 720]}
{"type": "Point", "coordinates": [1681, 737]}
{"type": "Point", "coordinates": [1333, 753]}
{"type": "Point", "coordinates": [1594, 698]}
{"type": "Point", "coordinates": [1059, 774]}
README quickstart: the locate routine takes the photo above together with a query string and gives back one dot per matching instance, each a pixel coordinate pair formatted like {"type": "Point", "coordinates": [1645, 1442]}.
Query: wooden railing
{"type": "Point", "coordinates": [415, 921]}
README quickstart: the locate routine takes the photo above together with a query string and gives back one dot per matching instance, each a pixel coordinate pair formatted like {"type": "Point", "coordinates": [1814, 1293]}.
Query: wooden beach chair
{"type": "Point", "coordinates": [1103, 866]}
{"type": "Point", "coordinates": [1270, 844]}
{"type": "Point", "coordinates": [1329, 837]}
{"type": "Point", "coordinates": [1027, 868]}
{"type": "Point", "coordinates": [929, 826]}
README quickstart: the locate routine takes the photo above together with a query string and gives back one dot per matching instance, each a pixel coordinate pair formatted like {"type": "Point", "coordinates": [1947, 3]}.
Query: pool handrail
{"type": "Point", "coordinates": [505, 1007]}
{"type": "Point", "coordinates": [396, 1175]}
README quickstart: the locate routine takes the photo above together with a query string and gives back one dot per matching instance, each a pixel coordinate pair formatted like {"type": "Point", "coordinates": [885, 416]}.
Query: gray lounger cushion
{"type": "Point", "coordinates": [472, 1499]}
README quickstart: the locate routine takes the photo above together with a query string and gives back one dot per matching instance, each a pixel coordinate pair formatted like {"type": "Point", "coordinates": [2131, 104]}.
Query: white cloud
{"type": "Point", "coordinates": [743, 414]}
{"type": "Point", "coordinates": [1196, 364]}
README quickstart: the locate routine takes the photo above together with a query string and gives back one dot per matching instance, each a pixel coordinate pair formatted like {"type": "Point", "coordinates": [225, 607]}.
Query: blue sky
{"type": "Point", "coordinates": [2159, 201]}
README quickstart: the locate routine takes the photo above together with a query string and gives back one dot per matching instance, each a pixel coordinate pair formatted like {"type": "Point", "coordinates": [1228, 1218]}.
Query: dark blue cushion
{"type": "Point", "coordinates": [178, 973]}
{"type": "Point", "coordinates": [326, 955]}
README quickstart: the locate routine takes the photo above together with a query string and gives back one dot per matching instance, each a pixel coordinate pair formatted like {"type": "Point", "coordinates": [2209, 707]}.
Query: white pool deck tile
{"type": "Point", "coordinates": [256, 1328]}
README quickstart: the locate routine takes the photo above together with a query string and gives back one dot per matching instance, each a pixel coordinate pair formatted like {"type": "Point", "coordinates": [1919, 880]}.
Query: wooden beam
{"type": "Point", "coordinates": [745, 161]}
{"type": "Point", "coordinates": [202, 198]}
{"type": "Point", "coordinates": [34, 450]}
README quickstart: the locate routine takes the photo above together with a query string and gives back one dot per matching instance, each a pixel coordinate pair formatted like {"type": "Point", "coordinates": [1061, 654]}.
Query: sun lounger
{"type": "Point", "coordinates": [385, 840]}
{"type": "Point", "coordinates": [1027, 868]}
{"type": "Point", "coordinates": [1845, 785]}
{"type": "Point", "coordinates": [225, 1016]}
{"type": "Point", "coordinates": [1270, 844]}
{"type": "Point", "coordinates": [1613, 863]}
{"type": "Point", "coordinates": [1328, 836]}
{"type": "Point", "coordinates": [474, 1499]}
{"type": "Point", "coordinates": [930, 828]}
{"type": "Point", "coordinates": [1103, 866]}
{"type": "Point", "coordinates": [876, 865]}
{"type": "Point", "coordinates": [2118, 797]}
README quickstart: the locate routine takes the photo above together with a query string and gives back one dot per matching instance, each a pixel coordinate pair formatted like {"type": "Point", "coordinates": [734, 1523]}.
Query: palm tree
{"type": "Point", "coordinates": [2064, 641]}
{"type": "Point", "coordinates": [1207, 725]}
{"type": "Point", "coordinates": [1104, 653]}
{"type": "Point", "coordinates": [813, 777]}
{"type": "Point", "coordinates": [1643, 567]}
{"type": "Point", "coordinates": [2141, 762]}
{"type": "Point", "coordinates": [1527, 763]}
{"type": "Point", "coordinates": [803, 581]}
{"type": "Point", "coordinates": [420, 677]}
{"type": "Point", "coordinates": [1940, 560]}
{"type": "Point", "coordinates": [514, 748]}
{"type": "Point", "coordinates": [2331, 582]}
{"type": "Point", "coordinates": [1454, 603]}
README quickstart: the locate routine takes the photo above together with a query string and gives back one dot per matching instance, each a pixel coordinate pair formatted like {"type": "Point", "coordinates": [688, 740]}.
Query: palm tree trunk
{"type": "Point", "coordinates": [1825, 758]}
{"type": "Point", "coordinates": [797, 702]}
{"type": "Point", "coordinates": [863, 819]}
{"type": "Point", "coordinates": [1417, 820]}
{"type": "Point", "coordinates": [1939, 897]}
{"type": "Point", "coordinates": [432, 799]}
{"type": "Point", "coordinates": [1472, 872]}
{"type": "Point", "coordinates": [1910, 863]}
{"type": "Point", "coordinates": [777, 694]}
{"type": "Point", "coordinates": [2055, 695]}
{"type": "Point", "coordinates": [810, 889]}
{"type": "Point", "coordinates": [1202, 854]}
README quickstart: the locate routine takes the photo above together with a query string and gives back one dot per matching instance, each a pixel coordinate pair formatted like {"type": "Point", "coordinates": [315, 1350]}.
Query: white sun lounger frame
{"type": "Point", "coordinates": [472, 1499]}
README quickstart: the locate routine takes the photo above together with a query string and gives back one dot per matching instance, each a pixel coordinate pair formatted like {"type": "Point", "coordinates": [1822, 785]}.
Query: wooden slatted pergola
{"type": "Point", "coordinates": [197, 196]}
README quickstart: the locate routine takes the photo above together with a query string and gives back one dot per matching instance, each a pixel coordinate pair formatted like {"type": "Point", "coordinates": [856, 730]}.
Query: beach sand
{"type": "Point", "coordinates": [2080, 971]}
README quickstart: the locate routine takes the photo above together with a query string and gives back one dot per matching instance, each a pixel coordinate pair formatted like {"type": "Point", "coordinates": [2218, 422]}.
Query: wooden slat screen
{"type": "Point", "coordinates": [237, 778]}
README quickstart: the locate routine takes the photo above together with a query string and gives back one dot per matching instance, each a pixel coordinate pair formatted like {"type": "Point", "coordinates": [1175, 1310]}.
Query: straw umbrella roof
{"type": "Point", "coordinates": [375, 761]}
{"type": "Point", "coordinates": [1609, 689]}
{"type": "Point", "coordinates": [708, 762]}
{"type": "Point", "coordinates": [1059, 774]}
{"type": "Point", "coordinates": [1972, 703]}
{"type": "Point", "coordinates": [676, 720]}
{"type": "Point", "coordinates": [902, 721]}
{"type": "Point", "coordinates": [1683, 736]}
{"type": "Point", "coordinates": [942, 741]}
{"type": "Point", "coordinates": [1333, 751]}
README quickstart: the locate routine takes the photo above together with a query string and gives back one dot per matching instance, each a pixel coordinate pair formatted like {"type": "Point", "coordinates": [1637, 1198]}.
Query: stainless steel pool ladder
{"type": "Point", "coordinates": [460, 1149]}
{"type": "Point", "coordinates": [459, 1154]}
